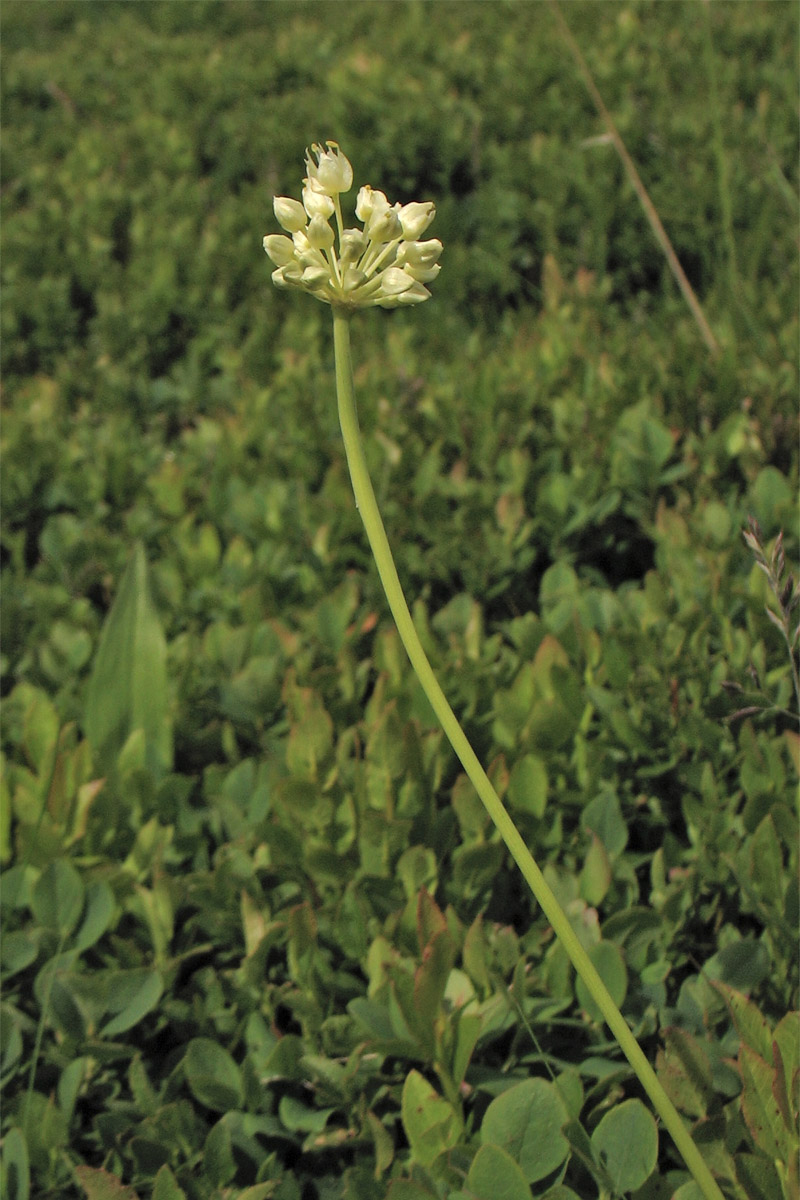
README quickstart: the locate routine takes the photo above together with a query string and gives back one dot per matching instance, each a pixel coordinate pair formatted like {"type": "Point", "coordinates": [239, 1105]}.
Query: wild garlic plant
{"type": "Point", "coordinates": [384, 263]}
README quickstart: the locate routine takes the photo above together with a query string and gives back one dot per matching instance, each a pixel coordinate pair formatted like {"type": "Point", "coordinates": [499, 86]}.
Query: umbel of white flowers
{"type": "Point", "coordinates": [384, 263]}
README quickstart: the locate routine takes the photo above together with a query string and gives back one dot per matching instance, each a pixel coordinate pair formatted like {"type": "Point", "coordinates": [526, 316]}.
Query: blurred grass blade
{"type": "Point", "coordinates": [647, 204]}
{"type": "Point", "coordinates": [128, 687]}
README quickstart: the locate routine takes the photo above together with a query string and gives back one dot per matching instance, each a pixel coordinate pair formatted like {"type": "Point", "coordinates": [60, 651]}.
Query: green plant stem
{"type": "Point", "coordinates": [370, 515]}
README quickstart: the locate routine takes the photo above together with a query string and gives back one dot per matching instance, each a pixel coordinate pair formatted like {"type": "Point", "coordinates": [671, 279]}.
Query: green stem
{"type": "Point", "coordinates": [367, 506]}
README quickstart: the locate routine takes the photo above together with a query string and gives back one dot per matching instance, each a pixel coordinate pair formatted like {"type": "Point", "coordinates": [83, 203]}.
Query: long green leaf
{"type": "Point", "coordinates": [128, 687]}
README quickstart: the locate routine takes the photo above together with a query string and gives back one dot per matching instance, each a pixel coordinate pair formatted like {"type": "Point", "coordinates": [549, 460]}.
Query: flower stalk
{"type": "Point", "coordinates": [379, 544]}
{"type": "Point", "coordinates": [335, 292]}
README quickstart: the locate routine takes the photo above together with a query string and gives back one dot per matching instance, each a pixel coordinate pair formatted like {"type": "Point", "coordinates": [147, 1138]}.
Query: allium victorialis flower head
{"type": "Point", "coordinates": [383, 263]}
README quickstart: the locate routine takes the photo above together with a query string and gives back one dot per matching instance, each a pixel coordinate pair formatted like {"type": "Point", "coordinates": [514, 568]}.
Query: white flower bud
{"type": "Point", "coordinates": [384, 228]}
{"type": "Point", "coordinates": [279, 248]}
{"type": "Point", "coordinates": [331, 173]}
{"type": "Point", "coordinates": [320, 234]}
{"type": "Point", "coordinates": [352, 245]}
{"type": "Point", "coordinates": [315, 277]}
{"type": "Point", "coordinates": [301, 242]}
{"type": "Point", "coordinates": [370, 203]}
{"type": "Point", "coordinates": [393, 281]}
{"type": "Point", "coordinates": [288, 275]}
{"type": "Point", "coordinates": [413, 295]}
{"type": "Point", "coordinates": [291, 215]}
{"type": "Point", "coordinates": [317, 204]}
{"type": "Point", "coordinates": [419, 254]}
{"type": "Point", "coordinates": [312, 258]}
{"type": "Point", "coordinates": [415, 218]}
{"type": "Point", "coordinates": [353, 279]}
{"type": "Point", "coordinates": [423, 274]}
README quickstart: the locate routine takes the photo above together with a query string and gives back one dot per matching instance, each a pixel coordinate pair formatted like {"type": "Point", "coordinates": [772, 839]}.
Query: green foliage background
{"type": "Point", "coordinates": [218, 933]}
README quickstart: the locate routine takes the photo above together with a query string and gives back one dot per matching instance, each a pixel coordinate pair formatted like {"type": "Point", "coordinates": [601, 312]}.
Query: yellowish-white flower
{"type": "Point", "coordinates": [382, 264]}
{"type": "Point", "coordinates": [291, 215]}
{"type": "Point", "coordinates": [331, 173]}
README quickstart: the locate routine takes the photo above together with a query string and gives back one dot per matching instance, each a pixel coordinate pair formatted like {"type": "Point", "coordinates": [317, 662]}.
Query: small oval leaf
{"type": "Point", "coordinates": [495, 1176]}
{"type": "Point", "coordinates": [626, 1141]}
{"type": "Point", "coordinates": [526, 1121]}
{"type": "Point", "coordinates": [213, 1077]}
{"type": "Point", "coordinates": [57, 898]}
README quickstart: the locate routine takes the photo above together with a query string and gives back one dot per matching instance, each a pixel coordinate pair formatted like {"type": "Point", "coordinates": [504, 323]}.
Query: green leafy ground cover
{"type": "Point", "coordinates": [259, 939]}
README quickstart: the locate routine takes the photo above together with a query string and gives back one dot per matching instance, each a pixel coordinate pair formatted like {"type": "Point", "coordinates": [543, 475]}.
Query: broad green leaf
{"type": "Point", "coordinates": [97, 915]}
{"type": "Point", "coordinates": [526, 1121]}
{"type": "Point", "coordinates": [471, 815]}
{"type": "Point", "coordinates": [780, 1090]}
{"type": "Point", "coordinates": [467, 1031]}
{"type": "Point", "coordinates": [408, 1189]}
{"type": "Point", "coordinates": [555, 711]}
{"type": "Point", "coordinates": [430, 919]}
{"type": "Point", "coordinates": [610, 965]}
{"type": "Point", "coordinates": [603, 816]}
{"type": "Point", "coordinates": [717, 522]}
{"type": "Point", "coordinates": [299, 1118]}
{"type": "Point", "coordinates": [416, 869]}
{"type": "Point", "coordinates": [431, 1124]}
{"type": "Point", "coordinates": [474, 955]}
{"type": "Point", "coordinates": [67, 1009]}
{"type": "Point", "coordinates": [766, 862]}
{"type": "Point", "coordinates": [495, 1176]}
{"type": "Point", "coordinates": [15, 1165]}
{"type": "Point", "coordinates": [128, 687]}
{"type": "Point", "coordinates": [758, 1177]}
{"type": "Point", "coordinates": [596, 872]}
{"type": "Point", "coordinates": [284, 1061]}
{"type": "Point", "coordinates": [46, 1127]}
{"type": "Point", "coordinates": [213, 1077]}
{"type": "Point", "coordinates": [685, 1072]}
{"type": "Point", "coordinates": [144, 1094]}
{"type": "Point", "coordinates": [742, 964]}
{"type": "Point", "coordinates": [166, 1186]}
{"type": "Point", "coordinates": [512, 708]}
{"type": "Point", "coordinates": [131, 995]}
{"type": "Point", "coordinates": [374, 1017]}
{"type": "Point", "coordinates": [102, 1185]}
{"type": "Point", "coordinates": [759, 1107]}
{"type": "Point", "coordinates": [750, 1024]}
{"type": "Point", "coordinates": [401, 1007]}
{"type": "Point", "coordinates": [219, 1165]}
{"type": "Point", "coordinates": [527, 786]}
{"type": "Point", "coordinates": [40, 734]}
{"type": "Point", "coordinates": [769, 493]}
{"type": "Point", "coordinates": [301, 924]}
{"type": "Point", "coordinates": [57, 899]}
{"type": "Point", "coordinates": [18, 950]}
{"type": "Point", "coordinates": [10, 1042]}
{"type": "Point", "coordinates": [626, 1142]}
{"type": "Point", "coordinates": [383, 1143]}
{"type": "Point", "coordinates": [570, 1089]}
{"type": "Point", "coordinates": [310, 733]}
{"type": "Point", "coordinates": [430, 981]}
{"type": "Point", "coordinates": [640, 447]}
{"type": "Point", "coordinates": [787, 1047]}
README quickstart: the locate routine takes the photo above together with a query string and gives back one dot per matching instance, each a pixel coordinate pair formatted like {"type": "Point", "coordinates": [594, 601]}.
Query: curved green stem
{"type": "Point", "coordinates": [367, 505]}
